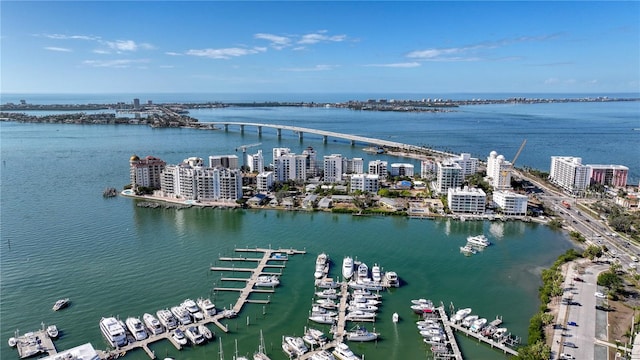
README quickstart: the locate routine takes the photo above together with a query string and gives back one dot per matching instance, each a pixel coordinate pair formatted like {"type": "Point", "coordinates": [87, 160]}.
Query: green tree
{"type": "Point", "coordinates": [535, 351]}
{"type": "Point", "coordinates": [592, 252]}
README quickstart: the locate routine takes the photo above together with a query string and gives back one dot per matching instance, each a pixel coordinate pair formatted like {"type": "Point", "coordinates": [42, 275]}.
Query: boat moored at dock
{"type": "Point", "coordinates": [343, 352]}
{"type": "Point", "coordinates": [52, 331]}
{"type": "Point", "coordinates": [179, 337]}
{"type": "Point", "coordinates": [193, 309]}
{"type": "Point", "coordinates": [136, 328]}
{"type": "Point", "coordinates": [207, 306]}
{"type": "Point", "coordinates": [194, 335]}
{"type": "Point", "coordinates": [113, 331]}
{"type": "Point", "coordinates": [167, 319]}
{"type": "Point", "coordinates": [267, 281]}
{"type": "Point", "coordinates": [153, 325]}
{"type": "Point", "coordinates": [347, 267]}
{"type": "Point", "coordinates": [181, 314]}
{"type": "Point", "coordinates": [360, 333]}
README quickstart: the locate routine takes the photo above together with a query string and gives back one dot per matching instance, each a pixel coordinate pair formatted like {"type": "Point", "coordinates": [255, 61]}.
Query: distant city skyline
{"type": "Point", "coordinates": [319, 47]}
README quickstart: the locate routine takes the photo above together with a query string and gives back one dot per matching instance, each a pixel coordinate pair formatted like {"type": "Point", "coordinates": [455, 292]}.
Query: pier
{"type": "Point", "coordinates": [35, 343]}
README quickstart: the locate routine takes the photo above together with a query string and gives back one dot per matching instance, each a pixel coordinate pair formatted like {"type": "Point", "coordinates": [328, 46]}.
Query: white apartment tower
{"type": "Point", "coordinates": [277, 152]}
{"type": "Point", "coordinates": [146, 172]}
{"type": "Point", "coordinates": [312, 165]}
{"type": "Point", "coordinates": [449, 175]}
{"type": "Point", "coordinates": [510, 203]}
{"type": "Point", "coordinates": [290, 167]}
{"type": "Point", "coordinates": [333, 168]}
{"type": "Point", "coordinates": [225, 161]}
{"type": "Point", "coordinates": [201, 183]}
{"type": "Point", "coordinates": [498, 171]}
{"type": "Point", "coordinates": [378, 167]}
{"type": "Point", "coordinates": [353, 166]}
{"type": "Point", "coordinates": [468, 164]}
{"type": "Point", "coordinates": [467, 200]}
{"type": "Point", "coordinates": [400, 169]}
{"type": "Point", "coordinates": [256, 162]}
{"type": "Point", "coordinates": [569, 173]}
{"type": "Point", "coordinates": [365, 182]}
{"type": "Point", "coordinates": [264, 181]}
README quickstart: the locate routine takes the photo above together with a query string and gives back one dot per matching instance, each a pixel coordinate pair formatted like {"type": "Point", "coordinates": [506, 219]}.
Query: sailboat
{"type": "Point", "coordinates": [236, 357]}
{"type": "Point", "coordinates": [261, 354]}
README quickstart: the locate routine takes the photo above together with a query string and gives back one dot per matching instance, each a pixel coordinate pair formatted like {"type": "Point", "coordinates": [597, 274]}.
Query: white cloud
{"type": "Point", "coordinates": [121, 63]}
{"type": "Point", "coordinates": [69, 37]}
{"type": "Point", "coordinates": [551, 81]}
{"type": "Point", "coordinates": [313, 68]}
{"type": "Point", "coordinates": [397, 65]}
{"type": "Point", "coordinates": [100, 51]}
{"type": "Point", "coordinates": [225, 53]}
{"type": "Point", "coordinates": [277, 42]}
{"type": "Point", "coordinates": [127, 45]}
{"type": "Point", "coordinates": [320, 36]}
{"type": "Point", "coordinates": [60, 49]}
{"type": "Point", "coordinates": [171, 53]}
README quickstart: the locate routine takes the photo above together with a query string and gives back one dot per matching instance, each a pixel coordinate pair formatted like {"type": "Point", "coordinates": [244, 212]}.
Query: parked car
{"type": "Point", "coordinates": [572, 323]}
{"type": "Point", "coordinates": [566, 356]}
{"type": "Point", "coordinates": [578, 279]}
{"type": "Point", "coordinates": [570, 344]}
{"type": "Point", "coordinates": [600, 295]}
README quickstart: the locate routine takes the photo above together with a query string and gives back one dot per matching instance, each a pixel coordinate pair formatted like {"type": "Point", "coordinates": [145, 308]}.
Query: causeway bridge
{"type": "Point", "coordinates": [324, 134]}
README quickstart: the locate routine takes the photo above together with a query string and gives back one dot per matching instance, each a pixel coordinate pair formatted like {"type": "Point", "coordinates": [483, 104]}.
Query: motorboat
{"type": "Point", "coordinates": [314, 335]}
{"type": "Point", "coordinates": [52, 331]}
{"type": "Point", "coordinates": [423, 307]}
{"type": "Point", "coordinates": [360, 333]}
{"type": "Point", "coordinates": [12, 342]}
{"type": "Point", "coordinates": [392, 278]}
{"type": "Point", "coordinates": [113, 331]}
{"type": "Point", "coordinates": [365, 293]}
{"type": "Point", "coordinates": [181, 314]}
{"type": "Point", "coordinates": [427, 322]}
{"type": "Point", "coordinates": [342, 352]}
{"type": "Point", "coordinates": [327, 284]}
{"type": "Point", "coordinates": [360, 315]}
{"type": "Point", "coordinates": [467, 250]}
{"type": "Point", "coordinates": [322, 355]}
{"type": "Point", "coordinates": [431, 332]}
{"type": "Point", "coordinates": [319, 273]}
{"type": "Point", "coordinates": [421, 301]}
{"type": "Point", "coordinates": [136, 328]}
{"type": "Point", "coordinates": [434, 340]}
{"type": "Point", "coordinates": [321, 263]}
{"type": "Point", "coordinates": [364, 300]}
{"type": "Point", "coordinates": [61, 304]}
{"type": "Point", "coordinates": [439, 349]}
{"type": "Point", "coordinates": [395, 318]}
{"type": "Point", "coordinates": [478, 240]}
{"type": "Point", "coordinates": [194, 335]}
{"type": "Point", "coordinates": [488, 331]}
{"type": "Point", "coordinates": [322, 319]}
{"type": "Point", "coordinates": [193, 309]}
{"type": "Point", "coordinates": [179, 337]}
{"type": "Point", "coordinates": [206, 306]}
{"type": "Point", "coordinates": [267, 281]}
{"type": "Point", "coordinates": [375, 273]}
{"type": "Point", "coordinates": [500, 333]}
{"type": "Point", "coordinates": [297, 344]}
{"type": "Point", "coordinates": [362, 307]}
{"type": "Point", "coordinates": [228, 314]}
{"type": "Point", "coordinates": [429, 327]}
{"type": "Point", "coordinates": [468, 321]}
{"type": "Point", "coordinates": [279, 256]}
{"type": "Point", "coordinates": [208, 334]}
{"type": "Point", "coordinates": [347, 267]}
{"type": "Point", "coordinates": [363, 271]}
{"type": "Point", "coordinates": [327, 304]}
{"type": "Point", "coordinates": [460, 315]}
{"type": "Point", "coordinates": [327, 294]}
{"type": "Point", "coordinates": [322, 259]}
{"type": "Point", "coordinates": [478, 324]}
{"type": "Point", "coordinates": [318, 310]}
{"type": "Point", "coordinates": [153, 324]}
{"type": "Point", "coordinates": [167, 319]}
{"type": "Point", "coordinates": [365, 284]}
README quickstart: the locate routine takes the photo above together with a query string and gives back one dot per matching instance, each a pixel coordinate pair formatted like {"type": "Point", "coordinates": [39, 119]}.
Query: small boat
{"type": "Point", "coordinates": [323, 355]}
{"type": "Point", "coordinates": [279, 256]}
{"type": "Point", "coordinates": [167, 319]}
{"type": "Point", "coordinates": [52, 331]}
{"type": "Point", "coordinates": [60, 304]}
{"type": "Point", "coordinates": [113, 331]}
{"type": "Point", "coordinates": [322, 319]}
{"type": "Point", "coordinates": [375, 273]}
{"type": "Point", "coordinates": [13, 341]}
{"type": "Point", "coordinates": [207, 306]}
{"type": "Point", "coordinates": [363, 271]}
{"type": "Point", "coordinates": [315, 337]}
{"type": "Point", "coordinates": [178, 337]}
{"type": "Point", "coordinates": [365, 284]}
{"type": "Point", "coordinates": [478, 240]}
{"type": "Point", "coordinates": [321, 263]}
{"type": "Point", "coordinates": [194, 335]}
{"type": "Point", "coordinates": [365, 293]}
{"type": "Point", "coordinates": [468, 321]}
{"type": "Point", "coordinates": [467, 250]}
{"type": "Point", "coordinates": [193, 309]}
{"type": "Point", "coordinates": [327, 294]}
{"type": "Point", "coordinates": [362, 307]}
{"type": "Point", "coordinates": [360, 316]}
{"type": "Point", "coordinates": [360, 333]}
{"type": "Point", "coordinates": [478, 325]}
{"type": "Point", "coordinates": [347, 268]}
{"type": "Point", "coordinates": [327, 304]}
{"type": "Point", "coordinates": [327, 284]}
{"type": "Point", "coordinates": [460, 315]}
{"type": "Point", "coordinates": [297, 344]}
{"type": "Point", "coordinates": [423, 307]}
{"type": "Point", "coordinates": [318, 310]}
{"type": "Point", "coordinates": [153, 324]}
{"type": "Point", "coordinates": [202, 329]}
{"type": "Point", "coordinates": [364, 300]}
{"type": "Point", "coordinates": [267, 281]}
{"type": "Point", "coordinates": [431, 332]}
{"type": "Point", "coordinates": [228, 314]}
{"type": "Point", "coordinates": [181, 314]}
{"type": "Point", "coordinates": [136, 328]}
{"type": "Point", "coordinates": [395, 318]}
{"type": "Point", "coordinates": [500, 333]}
{"type": "Point", "coordinates": [343, 352]}
{"type": "Point", "coordinates": [392, 278]}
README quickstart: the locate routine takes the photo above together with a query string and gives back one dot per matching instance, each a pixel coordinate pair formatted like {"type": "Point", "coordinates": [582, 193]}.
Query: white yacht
{"type": "Point", "coordinates": [362, 307]}
{"type": "Point", "coordinates": [478, 240]}
{"type": "Point", "coordinates": [267, 281]}
{"type": "Point", "coordinates": [363, 271]}
{"type": "Point", "coordinates": [363, 300]}
{"type": "Point", "coordinates": [422, 306]}
{"type": "Point", "coordinates": [359, 315]}
{"type": "Point", "coordinates": [314, 337]}
{"type": "Point", "coordinates": [365, 293]}
{"type": "Point", "coordinates": [204, 330]}
{"type": "Point", "coordinates": [136, 328]}
{"type": "Point", "coordinates": [360, 333]}
{"type": "Point", "coordinates": [365, 284]}
{"type": "Point", "coordinates": [327, 304]}
{"type": "Point", "coordinates": [327, 284]}
{"type": "Point", "coordinates": [194, 335]}
{"type": "Point", "coordinates": [343, 352]}
{"type": "Point", "coordinates": [327, 294]}
{"type": "Point", "coordinates": [395, 318]}
{"type": "Point", "coordinates": [467, 250]}
{"type": "Point", "coordinates": [347, 268]}
{"type": "Point", "coordinates": [52, 331]}
{"type": "Point", "coordinates": [460, 315]}
{"type": "Point", "coordinates": [153, 324]}
{"type": "Point", "coordinates": [60, 304]}
{"type": "Point", "coordinates": [193, 309]}
{"type": "Point", "coordinates": [178, 337]}
{"type": "Point", "coordinates": [207, 306]}
{"type": "Point", "coordinates": [181, 314]}
{"type": "Point", "coordinates": [297, 344]}
{"type": "Point", "coordinates": [321, 263]}
{"type": "Point", "coordinates": [319, 310]}
{"type": "Point", "coordinates": [375, 273]}
{"type": "Point", "coordinates": [392, 278]}
{"type": "Point", "coordinates": [478, 324]}
{"type": "Point", "coordinates": [167, 319]}
{"type": "Point", "coordinates": [322, 319]}
{"type": "Point", "coordinates": [113, 331]}
{"type": "Point", "coordinates": [468, 321]}
{"type": "Point", "coordinates": [323, 355]}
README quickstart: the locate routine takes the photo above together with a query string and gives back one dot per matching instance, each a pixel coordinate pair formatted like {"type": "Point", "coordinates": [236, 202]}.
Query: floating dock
{"type": "Point", "coordinates": [35, 343]}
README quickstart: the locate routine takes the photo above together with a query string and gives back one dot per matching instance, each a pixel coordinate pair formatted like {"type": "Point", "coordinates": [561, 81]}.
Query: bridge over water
{"type": "Point", "coordinates": [325, 136]}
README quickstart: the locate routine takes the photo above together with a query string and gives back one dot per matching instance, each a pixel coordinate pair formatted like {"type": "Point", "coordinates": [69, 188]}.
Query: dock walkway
{"type": "Point", "coordinates": [493, 343]}
{"type": "Point", "coordinates": [35, 343]}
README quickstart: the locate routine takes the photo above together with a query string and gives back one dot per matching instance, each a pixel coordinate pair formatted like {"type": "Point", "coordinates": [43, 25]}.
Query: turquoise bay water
{"type": "Point", "coordinates": [61, 238]}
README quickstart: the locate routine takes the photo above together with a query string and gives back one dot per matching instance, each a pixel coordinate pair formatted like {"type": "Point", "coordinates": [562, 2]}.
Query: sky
{"type": "Point", "coordinates": [319, 47]}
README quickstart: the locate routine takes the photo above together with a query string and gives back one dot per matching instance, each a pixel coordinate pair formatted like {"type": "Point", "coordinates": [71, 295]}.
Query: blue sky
{"type": "Point", "coordinates": [319, 47]}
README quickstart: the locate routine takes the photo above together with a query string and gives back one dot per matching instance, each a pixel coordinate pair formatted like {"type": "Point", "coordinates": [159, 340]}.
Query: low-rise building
{"type": "Point", "coordinates": [510, 203]}
{"type": "Point", "coordinates": [365, 183]}
{"type": "Point", "coordinates": [466, 200]}
{"type": "Point", "coordinates": [401, 169]}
